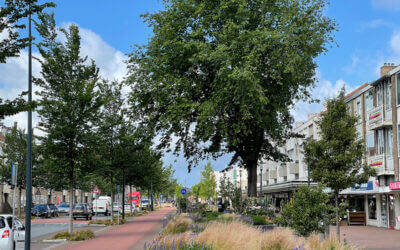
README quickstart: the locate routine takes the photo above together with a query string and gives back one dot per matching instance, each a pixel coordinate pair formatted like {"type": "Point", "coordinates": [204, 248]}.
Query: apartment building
{"type": "Point", "coordinates": [377, 106]}
{"type": "Point", "coordinates": [237, 175]}
{"type": "Point", "coordinates": [281, 179]}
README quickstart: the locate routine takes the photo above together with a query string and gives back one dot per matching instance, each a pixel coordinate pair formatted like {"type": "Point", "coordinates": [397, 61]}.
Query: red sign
{"type": "Point", "coordinates": [394, 185]}
{"type": "Point", "coordinates": [96, 190]}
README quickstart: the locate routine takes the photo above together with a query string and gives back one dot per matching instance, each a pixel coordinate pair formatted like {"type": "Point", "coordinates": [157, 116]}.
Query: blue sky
{"type": "Point", "coordinates": [368, 36]}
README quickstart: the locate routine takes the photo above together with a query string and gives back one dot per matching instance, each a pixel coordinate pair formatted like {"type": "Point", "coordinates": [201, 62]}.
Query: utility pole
{"type": "Point", "coordinates": [123, 193]}
{"type": "Point", "coordinates": [29, 150]}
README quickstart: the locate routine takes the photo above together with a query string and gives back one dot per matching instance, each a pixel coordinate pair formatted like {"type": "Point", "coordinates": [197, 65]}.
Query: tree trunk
{"type": "Point", "coordinates": [337, 216]}
{"type": "Point", "coordinates": [112, 197]}
{"type": "Point", "coordinates": [251, 167]}
{"type": "Point", "coordinates": [19, 202]}
{"type": "Point", "coordinates": [71, 201]}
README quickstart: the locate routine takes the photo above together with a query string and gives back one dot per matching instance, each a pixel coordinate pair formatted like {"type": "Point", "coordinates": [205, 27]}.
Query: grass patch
{"type": "Point", "coordinates": [177, 225]}
{"type": "Point", "coordinates": [259, 220]}
{"type": "Point", "coordinates": [108, 222]}
{"type": "Point", "coordinates": [76, 236]}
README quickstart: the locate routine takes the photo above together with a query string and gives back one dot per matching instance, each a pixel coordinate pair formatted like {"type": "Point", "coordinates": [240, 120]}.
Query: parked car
{"type": "Point", "coordinates": [117, 207]}
{"type": "Point", "coordinates": [82, 210]}
{"type": "Point", "coordinates": [90, 206]}
{"type": "Point", "coordinates": [145, 204]}
{"type": "Point", "coordinates": [128, 208]}
{"type": "Point", "coordinates": [63, 208]}
{"type": "Point", "coordinates": [6, 240]}
{"type": "Point", "coordinates": [102, 205]}
{"type": "Point", "coordinates": [41, 210]}
{"type": "Point", "coordinates": [53, 210]}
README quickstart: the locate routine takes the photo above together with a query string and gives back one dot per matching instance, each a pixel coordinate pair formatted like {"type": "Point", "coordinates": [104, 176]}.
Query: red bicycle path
{"type": "Point", "coordinates": [131, 235]}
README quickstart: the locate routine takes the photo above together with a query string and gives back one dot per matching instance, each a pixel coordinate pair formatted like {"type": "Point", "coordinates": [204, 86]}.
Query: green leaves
{"type": "Point", "coordinates": [222, 75]}
{"type": "Point", "coordinates": [308, 212]}
{"type": "Point", "coordinates": [336, 159]}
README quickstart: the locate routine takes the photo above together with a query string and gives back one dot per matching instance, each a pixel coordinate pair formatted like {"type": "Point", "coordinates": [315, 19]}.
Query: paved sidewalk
{"type": "Point", "coordinates": [366, 237]}
{"type": "Point", "coordinates": [132, 235]}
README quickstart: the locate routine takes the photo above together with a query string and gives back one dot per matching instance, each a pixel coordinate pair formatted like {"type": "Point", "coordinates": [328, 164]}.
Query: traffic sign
{"type": "Point", "coordinates": [183, 191]}
{"type": "Point", "coordinates": [96, 190]}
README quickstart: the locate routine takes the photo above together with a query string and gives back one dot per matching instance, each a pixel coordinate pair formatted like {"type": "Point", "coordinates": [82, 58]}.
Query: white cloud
{"type": "Point", "coordinates": [374, 24]}
{"type": "Point", "coordinates": [14, 74]}
{"type": "Point", "coordinates": [386, 4]}
{"type": "Point", "coordinates": [324, 89]}
{"type": "Point", "coordinates": [395, 42]}
{"type": "Point", "coordinates": [354, 63]}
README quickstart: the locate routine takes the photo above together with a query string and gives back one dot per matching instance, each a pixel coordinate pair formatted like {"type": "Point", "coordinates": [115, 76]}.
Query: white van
{"type": "Point", "coordinates": [102, 205]}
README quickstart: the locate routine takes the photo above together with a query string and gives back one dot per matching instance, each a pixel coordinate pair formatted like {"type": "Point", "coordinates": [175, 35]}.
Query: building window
{"type": "Point", "coordinates": [388, 101]}
{"type": "Point", "coordinates": [284, 178]}
{"type": "Point", "coordinates": [358, 108]}
{"type": "Point", "coordinates": [371, 144]}
{"type": "Point", "coordinates": [389, 141]}
{"type": "Point", "coordinates": [381, 145]}
{"type": "Point", "coordinates": [398, 89]}
{"type": "Point", "coordinates": [369, 100]}
{"type": "Point", "coordinates": [296, 176]}
{"type": "Point", "coordinates": [372, 207]}
{"type": "Point", "coordinates": [379, 95]}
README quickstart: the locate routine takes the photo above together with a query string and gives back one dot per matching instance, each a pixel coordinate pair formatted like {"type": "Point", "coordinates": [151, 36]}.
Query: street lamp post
{"type": "Point", "coordinates": [261, 170]}
{"type": "Point", "coordinates": [29, 143]}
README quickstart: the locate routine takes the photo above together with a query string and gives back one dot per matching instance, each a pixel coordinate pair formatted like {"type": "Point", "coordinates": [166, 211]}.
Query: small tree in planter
{"type": "Point", "coordinates": [336, 159]}
{"type": "Point", "coordinates": [308, 212]}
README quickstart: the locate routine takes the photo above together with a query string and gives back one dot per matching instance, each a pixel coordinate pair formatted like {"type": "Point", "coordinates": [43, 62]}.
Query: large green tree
{"type": "Point", "coordinates": [69, 104]}
{"type": "Point", "coordinates": [336, 159]}
{"type": "Point", "coordinates": [12, 15]}
{"type": "Point", "coordinates": [109, 132]}
{"type": "Point", "coordinates": [222, 75]}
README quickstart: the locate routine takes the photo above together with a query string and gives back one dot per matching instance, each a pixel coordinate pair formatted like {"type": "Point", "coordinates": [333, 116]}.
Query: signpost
{"type": "Point", "coordinates": [183, 191]}
{"type": "Point", "coordinates": [96, 192]}
{"type": "Point", "coordinates": [14, 174]}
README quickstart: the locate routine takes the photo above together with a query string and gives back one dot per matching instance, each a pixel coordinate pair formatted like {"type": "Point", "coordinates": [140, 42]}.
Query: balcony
{"type": "Point", "coordinates": [273, 174]}
{"type": "Point", "coordinates": [283, 171]}
{"type": "Point", "coordinates": [376, 118]}
{"type": "Point", "coordinates": [294, 167]}
{"type": "Point", "coordinates": [382, 164]}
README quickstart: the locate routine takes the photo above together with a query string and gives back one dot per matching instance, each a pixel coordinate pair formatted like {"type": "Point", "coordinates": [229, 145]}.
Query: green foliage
{"type": "Point", "coordinates": [336, 159]}
{"type": "Point", "coordinates": [77, 236]}
{"type": "Point", "coordinates": [207, 182]}
{"type": "Point", "coordinates": [69, 105]}
{"type": "Point", "coordinates": [309, 212]}
{"type": "Point", "coordinates": [210, 215]}
{"type": "Point", "coordinates": [183, 203]}
{"type": "Point", "coordinates": [194, 246]}
{"type": "Point", "coordinates": [259, 220]}
{"type": "Point", "coordinates": [238, 202]}
{"type": "Point", "coordinates": [223, 75]}
{"type": "Point", "coordinates": [11, 13]}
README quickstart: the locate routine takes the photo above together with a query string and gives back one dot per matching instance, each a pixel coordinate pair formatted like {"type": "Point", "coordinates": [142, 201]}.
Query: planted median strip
{"type": "Point", "coordinates": [76, 236]}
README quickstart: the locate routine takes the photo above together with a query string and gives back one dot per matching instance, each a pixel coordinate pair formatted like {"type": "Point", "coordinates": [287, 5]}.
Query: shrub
{"type": "Point", "coordinates": [76, 236]}
{"type": "Point", "coordinates": [309, 211]}
{"type": "Point", "coordinates": [228, 218]}
{"type": "Point", "coordinates": [210, 215]}
{"type": "Point", "coordinates": [179, 224]}
{"type": "Point", "coordinates": [259, 220]}
{"type": "Point", "coordinates": [62, 235]}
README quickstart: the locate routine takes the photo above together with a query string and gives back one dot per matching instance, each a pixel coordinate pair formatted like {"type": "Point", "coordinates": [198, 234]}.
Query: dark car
{"type": "Point", "coordinates": [82, 210]}
{"type": "Point", "coordinates": [53, 210]}
{"type": "Point", "coordinates": [41, 210]}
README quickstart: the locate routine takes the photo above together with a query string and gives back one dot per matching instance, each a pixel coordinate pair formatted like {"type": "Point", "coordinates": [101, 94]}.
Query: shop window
{"type": "Point", "coordinates": [369, 100]}
{"type": "Point", "coordinates": [372, 207]}
{"type": "Point", "coordinates": [356, 204]}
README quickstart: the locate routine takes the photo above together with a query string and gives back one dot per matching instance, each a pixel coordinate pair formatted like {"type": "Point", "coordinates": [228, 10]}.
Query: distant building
{"type": "Point", "coordinates": [237, 175]}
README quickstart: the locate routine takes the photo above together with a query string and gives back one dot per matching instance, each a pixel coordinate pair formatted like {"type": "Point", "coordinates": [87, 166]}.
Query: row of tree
{"type": "Point", "coordinates": [89, 135]}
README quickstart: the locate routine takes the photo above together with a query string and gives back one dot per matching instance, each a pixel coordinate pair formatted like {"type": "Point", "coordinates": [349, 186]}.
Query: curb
{"type": "Point", "coordinates": [54, 241]}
